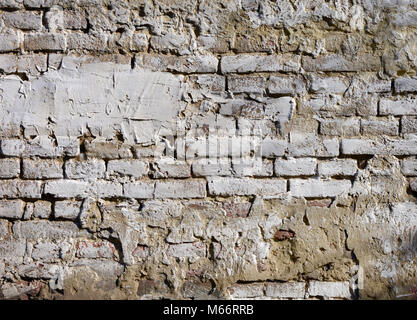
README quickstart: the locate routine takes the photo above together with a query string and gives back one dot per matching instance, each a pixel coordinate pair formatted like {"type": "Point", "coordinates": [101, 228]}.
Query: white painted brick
{"type": "Point", "coordinates": [67, 189]}
{"type": "Point", "coordinates": [310, 145]}
{"type": "Point", "coordinates": [41, 169]}
{"type": "Point", "coordinates": [8, 63]}
{"type": "Point", "coordinates": [244, 291]}
{"type": "Point", "coordinates": [319, 188]}
{"type": "Point", "coordinates": [27, 20]}
{"type": "Point", "coordinates": [9, 168]}
{"type": "Point", "coordinates": [11, 209]}
{"type": "Point", "coordinates": [20, 189]}
{"type": "Point", "coordinates": [211, 167]}
{"type": "Point", "coordinates": [180, 189]}
{"type": "Point", "coordinates": [405, 106]}
{"type": "Point", "coordinates": [139, 189]}
{"type": "Point", "coordinates": [243, 63]}
{"type": "Point", "coordinates": [329, 289]}
{"type": "Point", "coordinates": [295, 167]}
{"type": "Point", "coordinates": [340, 63]}
{"type": "Point", "coordinates": [295, 290]}
{"type": "Point", "coordinates": [88, 169]}
{"type": "Point", "coordinates": [134, 168]}
{"type": "Point", "coordinates": [194, 249]}
{"type": "Point", "coordinates": [68, 210]}
{"type": "Point", "coordinates": [170, 168]}
{"type": "Point", "coordinates": [338, 167]}
{"type": "Point", "coordinates": [8, 42]}
{"type": "Point", "coordinates": [268, 188]}
{"type": "Point", "coordinates": [409, 167]}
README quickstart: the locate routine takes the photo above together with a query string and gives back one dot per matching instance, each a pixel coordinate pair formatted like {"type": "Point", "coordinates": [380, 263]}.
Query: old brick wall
{"type": "Point", "coordinates": [196, 149]}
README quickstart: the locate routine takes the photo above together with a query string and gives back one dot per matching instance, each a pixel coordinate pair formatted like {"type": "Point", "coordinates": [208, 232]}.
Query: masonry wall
{"type": "Point", "coordinates": [208, 149]}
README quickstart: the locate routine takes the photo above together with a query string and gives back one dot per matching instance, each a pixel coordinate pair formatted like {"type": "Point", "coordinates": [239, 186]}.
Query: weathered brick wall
{"type": "Point", "coordinates": [208, 149]}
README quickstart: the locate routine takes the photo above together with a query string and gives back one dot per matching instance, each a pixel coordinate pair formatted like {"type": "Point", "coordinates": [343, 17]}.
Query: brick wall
{"type": "Point", "coordinates": [208, 149]}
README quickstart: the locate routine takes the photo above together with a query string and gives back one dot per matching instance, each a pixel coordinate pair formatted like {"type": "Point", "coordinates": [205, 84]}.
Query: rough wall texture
{"type": "Point", "coordinates": [208, 149]}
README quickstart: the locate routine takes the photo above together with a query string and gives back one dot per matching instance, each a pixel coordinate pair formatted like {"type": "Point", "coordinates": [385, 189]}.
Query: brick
{"type": "Point", "coordinates": [139, 42]}
{"type": "Point", "coordinates": [132, 168]}
{"type": "Point", "coordinates": [194, 249]}
{"type": "Point", "coordinates": [170, 168]}
{"type": "Point", "coordinates": [254, 167]}
{"type": "Point", "coordinates": [9, 168]}
{"type": "Point", "coordinates": [376, 127]}
{"type": "Point", "coordinates": [43, 147]}
{"type": "Point", "coordinates": [312, 188]}
{"type": "Point", "coordinates": [95, 249]}
{"type": "Point", "coordinates": [32, 64]}
{"type": "Point", "coordinates": [413, 184]}
{"type": "Point", "coordinates": [26, 20]}
{"type": "Point", "coordinates": [47, 42]}
{"type": "Point", "coordinates": [310, 145]}
{"type": "Point", "coordinates": [42, 209]}
{"type": "Point", "coordinates": [329, 85]}
{"type": "Point", "coordinates": [370, 147]}
{"type": "Point", "coordinates": [46, 252]}
{"type": "Point", "coordinates": [340, 127]}
{"type": "Point", "coordinates": [405, 106]}
{"type": "Point", "coordinates": [8, 63]}
{"type": "Point", "coordinates": [244, 63]}
{"type": "Point", "coordinates": [186, 64]}
{"type": "Point", "coordinates": [42, 169]}
{"type": "Point", "coordinates": [12, 251]}
{"type": "Point", "coordinates": [42, 229]}
{"type": "Point", "coordinates": [20, 189]}
{"type": "Point", "coordinates": [139, 190]}
{"type": "Point", "coordinates": [211, 167]}
{"type": "Point", "coordinates": [338, 167]}
{"type": "Point", "coordinates": [268, 188]}
{"type": "Point", "coordinates": [11, 209]}
{"type": "Point", "coordinates": [10, 4]}
{"type": "Point", "coordinates": [81, 41]}
{"type": "Point", "coordinates": [294, 290]}
{"type": "Point", "coordinates": [37, 4]}
{"type": "Point", "coordinates": [107, 149]}
{"type": "Point", "coordinates": [295, 167]}
{"type": "Point", "coordinates": [405, 85]}
{"type": "Point", "coordinates": [67, 189]}
{"type": "Point", "coordinates": [249, 84]}
{"type": "Point", "coordinates": [88, 169]}
{"type": "Point", "coordinates": [180, 189]}
{"type": "Point", "coordinates": [9, 42]}
{"type": "Point", "coordinates": [287, 85]}
{"type": "Point", "coordinates": [37, 271]}
{"type": "Point", "coordinates": [339, 63]}
{"type": "Point", "coordinates": [409, 167]}
{"type": "Point", "coordinates": [74, 20]}
{"type": "Point", "coordinates": [210, 82]}
{"type": "Point", "coordinates": [244, 291]}
{"type": "Point", "coordinates": [329, 289]}
{"type": "Point", "coordinates": [68, 209]}
{"type": "Point", "coordinates": [271, 148]}
{"type": "Point", "coordinates": [361, 147]}
{"type": "Point", "coordinates": [408, 125]}
{"type": "Point", "coordinates": [106, 189]}
{"type": "Point", "coordinates": [237, 209]}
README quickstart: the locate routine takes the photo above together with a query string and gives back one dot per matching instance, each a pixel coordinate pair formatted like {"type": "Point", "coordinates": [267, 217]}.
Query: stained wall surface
{"type": "Point", "coordinates": [193, 149]}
